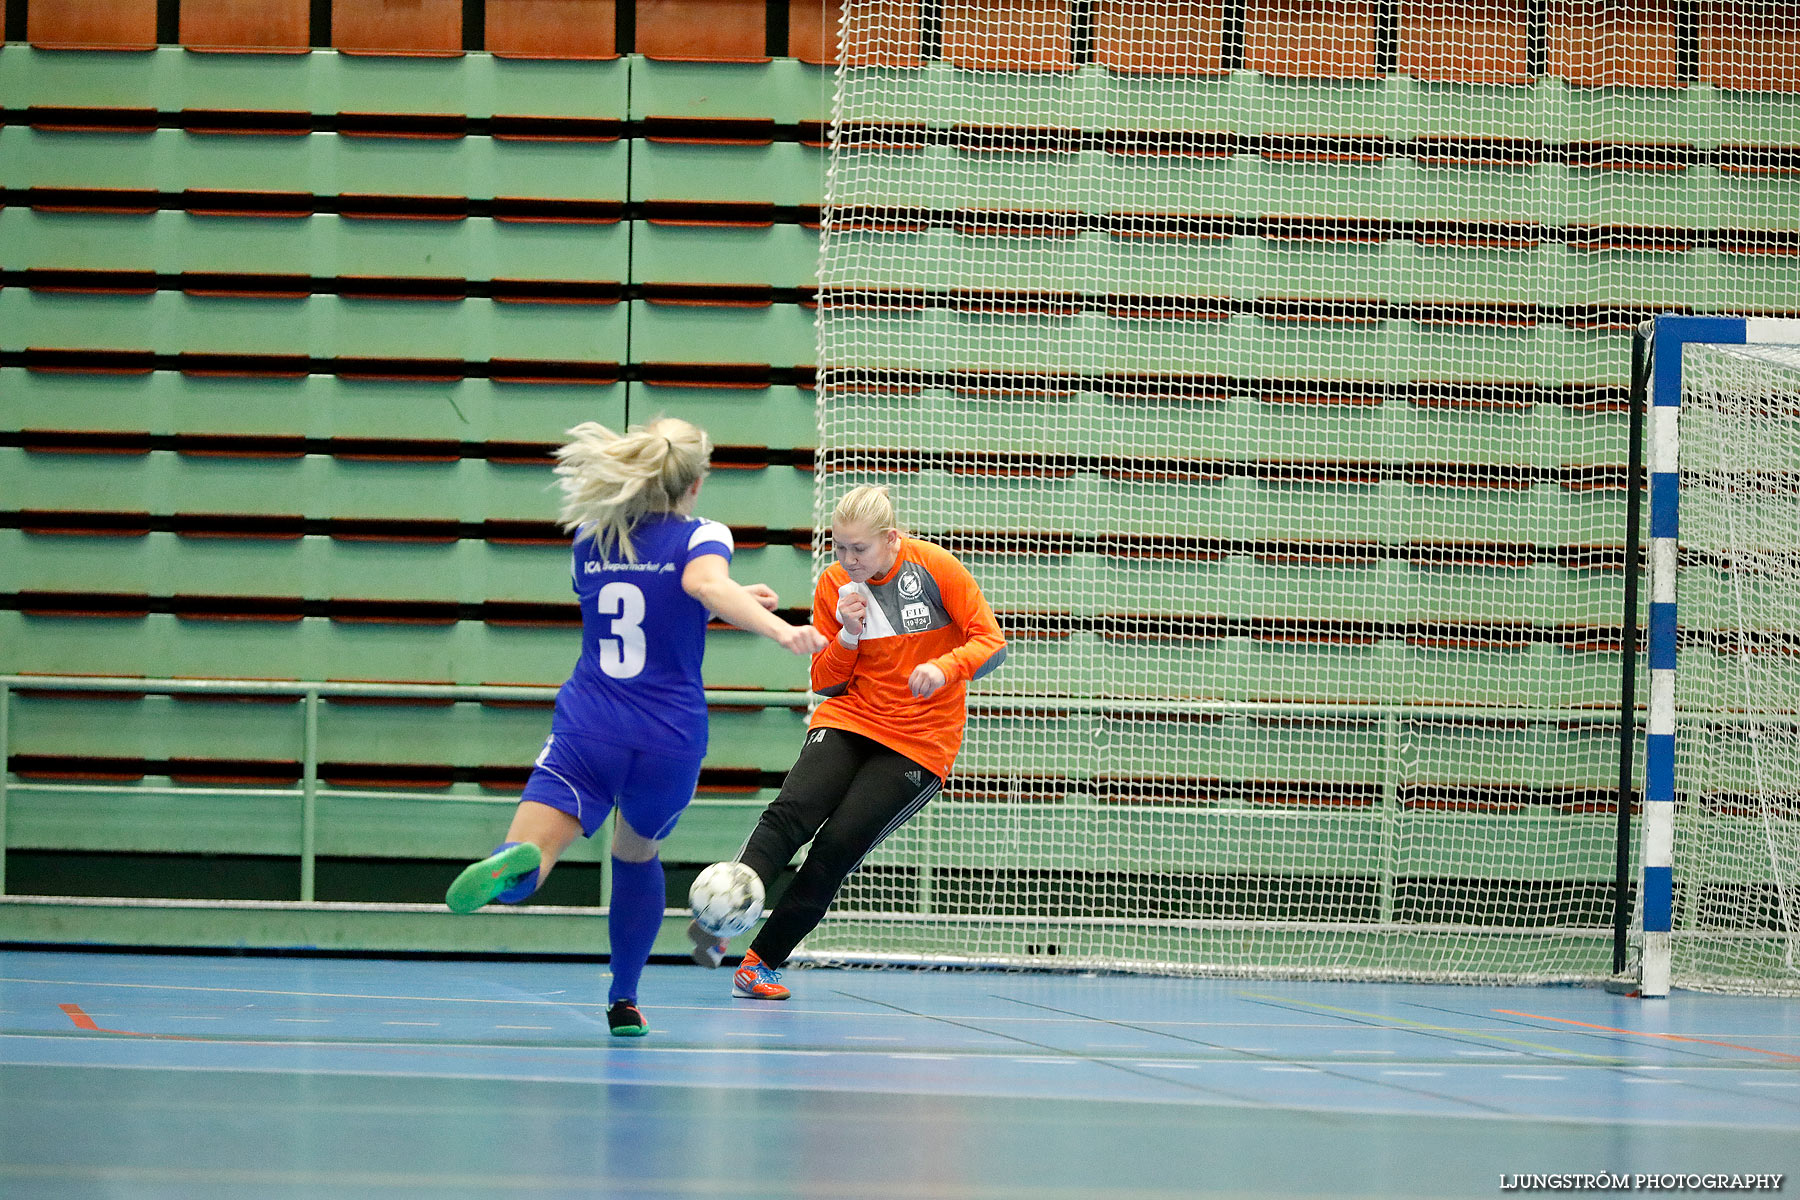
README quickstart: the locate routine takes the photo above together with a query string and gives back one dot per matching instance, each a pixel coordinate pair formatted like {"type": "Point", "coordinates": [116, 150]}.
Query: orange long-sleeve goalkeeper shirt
{"type": "Point", "coordinates": [926, 609]}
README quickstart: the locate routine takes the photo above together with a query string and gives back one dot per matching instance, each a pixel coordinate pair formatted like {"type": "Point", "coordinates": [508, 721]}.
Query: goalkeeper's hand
{"type": "Point", "coordinates": [926, 678]}
{"type": "Point", "coordinates": [852, 608]}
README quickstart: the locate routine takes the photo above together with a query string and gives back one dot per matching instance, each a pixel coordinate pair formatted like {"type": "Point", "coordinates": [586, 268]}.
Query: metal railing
{"type": "Point", "coordinates": [309, 694]}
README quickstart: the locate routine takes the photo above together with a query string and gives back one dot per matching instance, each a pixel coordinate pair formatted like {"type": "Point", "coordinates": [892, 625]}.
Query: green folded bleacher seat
{"type": "Point", "coordinates": [1236, 748]}
{"type": "Point", "coordinates": [166, 402]}
{"type": "Point", "coordinates": [782, 173]}
{"type": "Point", "coordinates": [774, 497]}
{"type": "Point", "coordinates": [268, 729]}
{"type": "Point", "coordinates": [778, 334]}
{"type": "Point", "coordinates": [80, 482]}
{"type": "Point", "coordinates": [1000, 743]}
{"type": "Point", "coordinates": [1482, 278]}
{"type": "Point", "coordinates": [784, 90]}
{"type": "Point", "coordinates": [1030, 579]}
{"type": "Point", "coordinates": [776, 255]}
{"type": "Point", "coordinates": [781, 415]}
{"type": "Point", "coordinates": [596, 90]}
{"type": "Point", "coordinates": [762, 739]}
{"type": "Point", "coordinates": [549, 331]}
{"type": "Point", "coordinates": [31, 240]}
{"type": "Point", "coordinates": [36, 562]}
{"type": "Point", "coordinates": [1063, 663]}
{"type": "Point", "coordinates": [787, 569]}
{"type": "Point", "coordinates": [735, 659]}
{"type": "Point", "coordinates": [1479, 201]}
{"type": "Point", "coordinates": [461, 734]}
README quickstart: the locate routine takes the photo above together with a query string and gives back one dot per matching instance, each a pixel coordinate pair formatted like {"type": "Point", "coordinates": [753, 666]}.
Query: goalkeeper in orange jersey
{"type": "Point", "coordinates": [908, 629]}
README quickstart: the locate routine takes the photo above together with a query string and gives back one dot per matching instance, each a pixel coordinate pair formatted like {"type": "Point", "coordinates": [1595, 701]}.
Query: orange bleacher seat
{"type": "Point", "coordinates": [718, 30]}
{"type": "Point", "coordinates": [1472, 41]}
{"type": "Point", "coordinates": [813, 29]}
{"type": "Point", "coordinates": [1008, 35]}
{"type": "Point", "coordinates": [1750, 47]}
{"type": "Point", "coordinates": [1612, 43]}
{"type": "Point", "coordinates": [425, 27]}
{"type": "Point", "coordinates": [884, 33]}
{"type": "Point", "coordinates": [552, 28]}
{"type": "Point", "coordinates": [1162, 37]}
{"type": "Point", "coordinates": [1310, 39]}
{"type": "Point", "coordinates": [92, 24]}
{"type": "Point", "coordinates": [246, 24]}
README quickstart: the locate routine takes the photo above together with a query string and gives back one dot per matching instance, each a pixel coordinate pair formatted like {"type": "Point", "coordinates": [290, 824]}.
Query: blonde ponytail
{"type": "Point", "coordinates": [869, 506]}
{"type": "Point", "coordinates": [611, 481]}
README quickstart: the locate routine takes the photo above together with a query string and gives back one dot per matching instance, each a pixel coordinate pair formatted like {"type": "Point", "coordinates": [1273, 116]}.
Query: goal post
{"type": "Point", "coordinates": [1721, 830]}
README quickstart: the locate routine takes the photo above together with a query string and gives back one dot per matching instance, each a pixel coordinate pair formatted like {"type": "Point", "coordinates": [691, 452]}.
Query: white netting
{"type": "Point", "coordinates": [1269, 372]}
{"type": "Point", "coordinates": [1737, 681]}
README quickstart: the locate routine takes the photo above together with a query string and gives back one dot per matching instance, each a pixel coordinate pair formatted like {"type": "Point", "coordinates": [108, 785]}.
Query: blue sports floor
{"type": "Point", "coordinates": [190, 1077]}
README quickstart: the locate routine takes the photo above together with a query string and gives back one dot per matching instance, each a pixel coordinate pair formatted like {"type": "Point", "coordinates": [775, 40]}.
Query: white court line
{"type": "Point", "coordinates": [1022, 1058]}
{"type": "Point", "coordinates": [990, 1018]}
{"type": "Point", "coordinates": [303, 1020]}
{"type": "Point", "coordinates": [579, 1073]}
{"type": "Point", "coordinates": [432, 1024]}
{"type": "Point", "coordinates": [1296, 1070]}
{"type": "Point", "coordinates": [1553, 1078]}
{"type": "Point", "coordinates": [1490, 1054]}
{"type": "Point", "coordinates": [1770, 1083]}
{"type": "Point", "coordinates": [1168, 1066]}
{"type": "Point", "coordinates": [186, 987]}
{"type": "Point", "coordinates": [1417, 1074]}
{"type": "Point", "coordinates": [521, 1027]}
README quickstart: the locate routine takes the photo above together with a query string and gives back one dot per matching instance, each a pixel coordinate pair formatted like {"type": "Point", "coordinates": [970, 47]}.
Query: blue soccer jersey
{"type": "Point", "coordinates": [637, 682]}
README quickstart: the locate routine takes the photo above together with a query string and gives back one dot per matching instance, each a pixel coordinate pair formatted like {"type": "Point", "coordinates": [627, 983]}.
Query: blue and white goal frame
{"type": "Point", "coordinates": [1657, 887]}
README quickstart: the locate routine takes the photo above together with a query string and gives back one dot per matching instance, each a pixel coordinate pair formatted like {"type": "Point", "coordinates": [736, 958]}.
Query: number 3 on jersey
{"type": "Point", "coordinates": [622, 651]}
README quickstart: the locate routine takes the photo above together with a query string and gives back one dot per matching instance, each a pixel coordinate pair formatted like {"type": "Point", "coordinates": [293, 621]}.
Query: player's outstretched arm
{"type": "Point", "coordinates": [708, 580]}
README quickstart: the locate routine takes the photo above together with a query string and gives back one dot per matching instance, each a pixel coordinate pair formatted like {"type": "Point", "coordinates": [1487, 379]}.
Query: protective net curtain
{"type": "Point", "coordinates": [1267, 364]}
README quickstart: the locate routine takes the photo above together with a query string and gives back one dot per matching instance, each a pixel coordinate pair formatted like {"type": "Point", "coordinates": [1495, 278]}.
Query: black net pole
{"type": "Point", "coordinates": [1628, 644]}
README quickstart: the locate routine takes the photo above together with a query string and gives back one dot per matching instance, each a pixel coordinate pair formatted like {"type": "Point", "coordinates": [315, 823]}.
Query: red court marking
{"type": "Point", "coordinates": [81, 1019]}
{"type": "Point", "coordinates": [1672, 1037]}
{"type": "Point", "coordinates": [85, 1022]}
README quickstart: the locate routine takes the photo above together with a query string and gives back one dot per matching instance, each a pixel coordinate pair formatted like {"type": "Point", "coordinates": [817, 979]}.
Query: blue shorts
{"type": "Point", "coordinates": [587, 777]}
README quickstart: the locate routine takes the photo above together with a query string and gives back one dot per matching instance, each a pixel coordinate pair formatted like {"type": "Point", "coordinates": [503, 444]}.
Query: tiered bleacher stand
{"type": "Point", "coordinates": [294, 306]}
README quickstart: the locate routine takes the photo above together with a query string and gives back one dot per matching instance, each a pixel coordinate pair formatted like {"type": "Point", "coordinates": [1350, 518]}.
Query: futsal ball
{"type": "Point", "coordinates": [726, 898]}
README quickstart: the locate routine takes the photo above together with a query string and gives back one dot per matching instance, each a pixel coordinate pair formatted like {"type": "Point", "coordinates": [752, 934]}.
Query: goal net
{"type": "Point", "coordinates": [1267, 365]}
{"type": "Point", "coordinates": [1736, 912]}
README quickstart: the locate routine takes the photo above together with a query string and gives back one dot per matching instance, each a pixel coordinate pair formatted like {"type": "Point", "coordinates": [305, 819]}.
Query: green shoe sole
{"type": "Point", "coordinates": [480, 882]}
{"type": "Point", "coordinates": [624, 1020]}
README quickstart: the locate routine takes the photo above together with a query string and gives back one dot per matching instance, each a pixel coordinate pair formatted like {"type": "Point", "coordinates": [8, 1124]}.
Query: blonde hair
{"type": "Point", "coordinates": [869, 506]}
{"type": "Point", "coordinates": [611, 481]}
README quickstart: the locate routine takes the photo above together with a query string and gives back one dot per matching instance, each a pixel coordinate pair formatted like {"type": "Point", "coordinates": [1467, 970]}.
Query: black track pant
{"type": "Point", "coordinates": [844, 794]}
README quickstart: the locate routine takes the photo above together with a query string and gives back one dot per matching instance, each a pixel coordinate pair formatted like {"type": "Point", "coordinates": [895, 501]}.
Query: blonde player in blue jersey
{"type": "Point", "coordinates": [629, 728]}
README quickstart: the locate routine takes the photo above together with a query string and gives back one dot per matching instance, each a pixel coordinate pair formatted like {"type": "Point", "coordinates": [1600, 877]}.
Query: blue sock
{"type": "Point", "coordinates": [522, 887]}
{"type": "Point", "coordinates": [633, 922]}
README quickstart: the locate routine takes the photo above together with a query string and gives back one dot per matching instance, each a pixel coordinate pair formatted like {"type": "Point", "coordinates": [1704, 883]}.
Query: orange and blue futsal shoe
{"type": "Point", "coordinates": [755, 980]}
{"type": "Point", "coordinates": [490, 879]}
